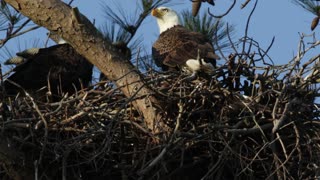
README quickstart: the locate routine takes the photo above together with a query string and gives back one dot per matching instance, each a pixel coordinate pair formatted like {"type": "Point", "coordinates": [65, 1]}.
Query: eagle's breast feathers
{"type": "Point", "coordinates": [178, 44]}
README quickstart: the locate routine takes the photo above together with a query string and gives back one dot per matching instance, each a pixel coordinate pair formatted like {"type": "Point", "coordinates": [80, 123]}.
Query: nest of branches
{"type": "Point", "coordinates": [244, 122]}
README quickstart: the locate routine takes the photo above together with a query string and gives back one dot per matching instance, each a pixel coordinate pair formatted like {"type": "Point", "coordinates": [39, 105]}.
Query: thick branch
{"type": "Point", "coordinates": [83, 36]}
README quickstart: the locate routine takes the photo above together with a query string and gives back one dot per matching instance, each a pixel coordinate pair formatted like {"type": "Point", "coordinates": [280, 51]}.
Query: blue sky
{"type": "Point", "coordinates": [281, 19]}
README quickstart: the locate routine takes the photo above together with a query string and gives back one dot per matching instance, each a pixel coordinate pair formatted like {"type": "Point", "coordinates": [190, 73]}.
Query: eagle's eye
{"type": "Point", "coordinates": [165, 10]}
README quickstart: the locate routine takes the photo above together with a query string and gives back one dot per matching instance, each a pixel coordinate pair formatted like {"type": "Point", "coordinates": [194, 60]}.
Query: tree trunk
{"type": "Point", "coordinates": [83, 36]}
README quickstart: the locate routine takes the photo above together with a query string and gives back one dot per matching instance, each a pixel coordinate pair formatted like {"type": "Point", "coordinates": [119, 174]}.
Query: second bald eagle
{"type": "Point", "coordinates": [59, 67]}
{"type": "Point", "coordinates": [176, 45]}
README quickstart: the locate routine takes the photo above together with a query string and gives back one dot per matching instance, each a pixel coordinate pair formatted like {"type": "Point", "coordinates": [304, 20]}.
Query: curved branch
{"type": "Point", "coordinates": [227, 12]}
{"type": "Point", "coordinates": [247, 26]}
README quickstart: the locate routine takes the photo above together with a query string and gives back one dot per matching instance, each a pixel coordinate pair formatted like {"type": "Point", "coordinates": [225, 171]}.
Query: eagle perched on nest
{"type": "Point", "coordinates": [180, 47]}
{"type": "Point", "coordinates": [58, 67]}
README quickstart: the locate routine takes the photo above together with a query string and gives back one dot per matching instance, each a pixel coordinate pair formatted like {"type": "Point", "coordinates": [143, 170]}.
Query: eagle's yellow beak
{"type": "Point", "coordinates": [156, 13]}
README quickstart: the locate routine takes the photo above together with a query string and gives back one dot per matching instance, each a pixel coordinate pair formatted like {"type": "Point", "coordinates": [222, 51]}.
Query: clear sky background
{"type": "Point", "coordinates": [281, 19]}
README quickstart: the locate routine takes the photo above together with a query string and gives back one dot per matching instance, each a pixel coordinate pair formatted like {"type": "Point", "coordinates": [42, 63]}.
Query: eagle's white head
{"type": "Point", "coordinates": [166, 18]}
{"type": "Point", "coordinates": [55, 37]}
{"type": "Point", "coordinates": [62, 41]}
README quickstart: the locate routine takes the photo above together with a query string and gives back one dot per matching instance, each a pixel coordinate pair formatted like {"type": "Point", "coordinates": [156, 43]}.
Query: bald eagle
{"type": "Point", "coordinates": [180, 47]}
{"type": "Point", "coordinates": [58, 66]}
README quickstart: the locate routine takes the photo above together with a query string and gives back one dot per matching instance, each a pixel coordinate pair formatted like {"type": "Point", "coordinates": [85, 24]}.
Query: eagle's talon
{"type": "Point", "coordinates": [190, 78]}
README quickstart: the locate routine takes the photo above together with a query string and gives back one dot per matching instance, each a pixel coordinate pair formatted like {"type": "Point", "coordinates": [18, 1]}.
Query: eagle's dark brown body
{"type": "Point", "coordinates": [178, 44]}
{"type": "Point", "coordinates": [61, 65]}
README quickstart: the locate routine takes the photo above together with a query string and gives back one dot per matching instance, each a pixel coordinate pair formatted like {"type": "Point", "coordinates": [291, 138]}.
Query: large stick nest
{"type": "Point", "coordinates": [245, 122]}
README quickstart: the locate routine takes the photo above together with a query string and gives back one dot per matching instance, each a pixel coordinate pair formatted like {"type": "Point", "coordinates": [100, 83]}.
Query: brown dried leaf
{"type": "Point", "coordinates": [196, 4]}
{"type": "Point", "coordinates": [314, 23]}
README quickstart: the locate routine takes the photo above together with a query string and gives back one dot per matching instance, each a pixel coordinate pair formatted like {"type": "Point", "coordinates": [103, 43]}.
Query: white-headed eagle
{"type": "Point", "coordinates": [58, 66]}
{"type": "Point", "coordinates": [180, 47]}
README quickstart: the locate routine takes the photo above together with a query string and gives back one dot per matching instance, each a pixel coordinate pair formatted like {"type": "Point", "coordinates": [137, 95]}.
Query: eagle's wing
{"type": "Point", "coordinates": [176, 45]}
